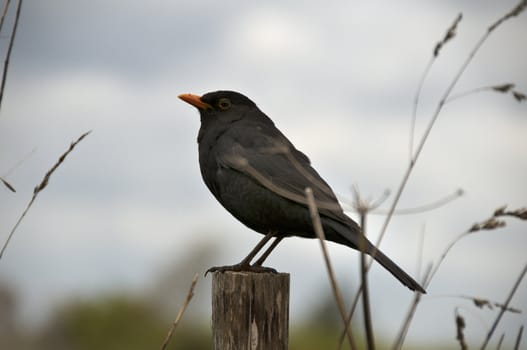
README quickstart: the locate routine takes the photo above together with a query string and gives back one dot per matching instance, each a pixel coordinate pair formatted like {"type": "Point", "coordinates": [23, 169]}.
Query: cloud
{"type": "Point", "coordinates": [269, 36]}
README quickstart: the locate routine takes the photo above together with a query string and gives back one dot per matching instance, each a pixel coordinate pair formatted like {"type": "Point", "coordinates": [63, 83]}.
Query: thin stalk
{"type": "Point", "coordinates": [518, 338]}
{"type": "Point", "coordinates": [40, 188]}
{"type": "Point", "coordinates": [317, 225]}
{"type": "Point", "coordinates": [416, 104]}
{"type": "Point", "coordinates": [506, 305]}
{"type": "Point", "coordinates": [425, 207]}
{"type": "Point", "coordinates": [182, 309]}
{"type": "Point", "coordinates": [370, 339]}
{"type": "Point", "coordinates": [4, 13]}
{"type": "Point", "coordinates": [411, 312]}
{"type": "Point", "coordinates": [498, 347]}
{"type": "Point", "coordinates": [9, 50]}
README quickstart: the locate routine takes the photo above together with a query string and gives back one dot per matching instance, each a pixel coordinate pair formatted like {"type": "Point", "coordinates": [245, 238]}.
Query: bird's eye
{"type": "Point", "coordinates": [224, 103]}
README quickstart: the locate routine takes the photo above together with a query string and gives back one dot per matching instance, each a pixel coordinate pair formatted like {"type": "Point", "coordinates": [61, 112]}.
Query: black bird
{"type": "Point", "coordinates": [257, 174]}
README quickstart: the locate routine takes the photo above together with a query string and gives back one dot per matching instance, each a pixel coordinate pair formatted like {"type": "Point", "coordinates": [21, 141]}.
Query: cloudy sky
{"type": "Point", "coordinates": [338, 79]}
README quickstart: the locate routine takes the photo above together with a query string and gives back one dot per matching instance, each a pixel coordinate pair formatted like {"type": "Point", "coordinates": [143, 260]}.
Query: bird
{"type": "Point", "coordinates": [260, 177]}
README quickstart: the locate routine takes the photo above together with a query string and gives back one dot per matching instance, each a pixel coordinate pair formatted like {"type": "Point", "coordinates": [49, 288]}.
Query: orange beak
{"type": "Point", "coordinates": [194, 100]}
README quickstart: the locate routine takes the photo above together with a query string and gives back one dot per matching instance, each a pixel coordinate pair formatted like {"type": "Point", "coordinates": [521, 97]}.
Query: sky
{"type": "Point", "coordinates": [338, 79]}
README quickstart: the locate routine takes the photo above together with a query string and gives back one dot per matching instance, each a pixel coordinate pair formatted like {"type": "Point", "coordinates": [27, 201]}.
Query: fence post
{"type": "Point", "coordinates": [250, 311]}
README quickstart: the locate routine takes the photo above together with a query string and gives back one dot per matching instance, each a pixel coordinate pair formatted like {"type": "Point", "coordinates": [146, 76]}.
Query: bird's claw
{"type": "Point", "coordinates": [241, 268]}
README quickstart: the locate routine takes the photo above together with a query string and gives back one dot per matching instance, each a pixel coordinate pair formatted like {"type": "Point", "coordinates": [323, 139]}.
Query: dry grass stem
{"type": "Point", "coordinates": [182, 309]}
{"type": "Point", "coordinates": [449, 35]}
{"type": "Point", "coordinates": [8, 185]}
{"type": "Point", "coordinates": [425, 207]}
{"type": "Point", "coordinates": [398, 344]}
{"type": "Point", "coordinates": [317, 225]}
{"type": "Point", "coordinates": [460, 326]}
{"type": "Point", "coordinates": [489, 224]}
{"type": "Point", "coordinates": [4, 13]}
{"type": "Point", "coordinates": [363, 207]}
{"type": "Point", "coordinates": [350, 316]}
{"type": "Point", "coordinates": [420, 251]}
{"type": "Point", "coordinates": [46, 178]}
{"type": "Point", "coordinates": [40, 187]}
{"type": "Point", "coordinates": [494, 223]}
{"type": "Point", "coordinates": [9, 50]}
{"type": "Point", "coordinates": [443, 256]}
{"type": "Point", "coordinates": [451, 32]}
{"type": "Point", "coordinates": [518, 338]}
{"type": "Point", "coordinates": [417, 98]}
{"type": "Point", "coordinates": [498, 347]}
{"type": "Point", "coordinates": [482, 303]}
{"type": "Point", "coordinates": [520, 213]}
{"type": "Point", "coordinates": [519, 96]}
{"type": "Point", "coordinates": [502, 88]}
{"type": "Point", "coordinates": [411, 312]}
{"type": "Point", "coordinates": [506, 305]}
{"type": "Point", "coordinates": [20, 162]}
{"type": "Point", "coordinates": [512, 13]}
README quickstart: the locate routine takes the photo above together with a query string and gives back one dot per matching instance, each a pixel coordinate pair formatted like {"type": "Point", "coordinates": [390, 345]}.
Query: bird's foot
{"type": "Point", "coordinates": [241, 267]}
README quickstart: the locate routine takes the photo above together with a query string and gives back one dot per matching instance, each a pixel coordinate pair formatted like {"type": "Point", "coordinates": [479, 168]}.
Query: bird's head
{"type": "Point", "coordinates": [220, 105]}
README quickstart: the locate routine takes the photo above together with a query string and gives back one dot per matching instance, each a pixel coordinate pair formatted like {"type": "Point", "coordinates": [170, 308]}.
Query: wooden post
{"type": "Point", "coordinates": [250, 311]}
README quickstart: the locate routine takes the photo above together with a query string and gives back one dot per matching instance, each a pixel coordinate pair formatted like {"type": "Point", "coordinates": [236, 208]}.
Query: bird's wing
{"type": "Point", "coordinates": [270, 159]}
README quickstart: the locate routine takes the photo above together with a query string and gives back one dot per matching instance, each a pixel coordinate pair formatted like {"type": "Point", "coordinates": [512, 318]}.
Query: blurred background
{"type": "Point", "coordinates": [106, 255]}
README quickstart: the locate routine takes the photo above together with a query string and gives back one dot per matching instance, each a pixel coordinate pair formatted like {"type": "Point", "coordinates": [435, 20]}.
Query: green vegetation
{"type": "Point", "coordinates": [123, 322]}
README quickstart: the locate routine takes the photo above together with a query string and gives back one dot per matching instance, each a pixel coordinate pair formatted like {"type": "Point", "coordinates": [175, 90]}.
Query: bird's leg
{"type": "Point", "coordinates": [257, 248]}
{"type": "Point", "coordinates": [264, 256]}
{"type": "Point", "coordinates": [245, 265]}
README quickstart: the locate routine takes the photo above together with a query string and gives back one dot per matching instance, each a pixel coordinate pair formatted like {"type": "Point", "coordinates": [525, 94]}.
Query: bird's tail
{"type": "Point", "coordinates": [395, 270]}
{"type": "Point", "coordinates": [350, 235]}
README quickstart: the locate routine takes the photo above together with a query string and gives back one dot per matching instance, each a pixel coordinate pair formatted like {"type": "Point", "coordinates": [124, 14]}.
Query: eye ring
{"type": "Point", "coordinates": [224, 104]}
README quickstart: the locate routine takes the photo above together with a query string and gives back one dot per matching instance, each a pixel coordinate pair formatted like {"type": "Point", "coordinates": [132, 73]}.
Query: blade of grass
{"type": "Point", "coordinates": [411, 312]}
{"type": "Point", "coordinates": [41, 187]}
{"type": "Point", "coordinates": [4, 13]}
{"type": "Point", "coordinates": [498, 347]}
{"type": "Point", "coordinates": [449, 35]}
{"type": "Point", "coordinates": [506, 305]}
{"type": "Point", "coordinates": [424, 207]}
{"type": "Point", "coordinates": [363, 207]}
{"type": "Point", "coordinates": [518, 338]}
{"type": "Point", "coordinates": [317, 225]}
{"type": "Point", "coordinates": [370, 340]}
{"type": "Point", "coordinates": [182, 309]}
{"type": "Point", "coordinates": [9, 50]}
{"type": "Point", "coordinates": [8, 185]}
{"type": "Point", "coordinates": [460, 326]}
